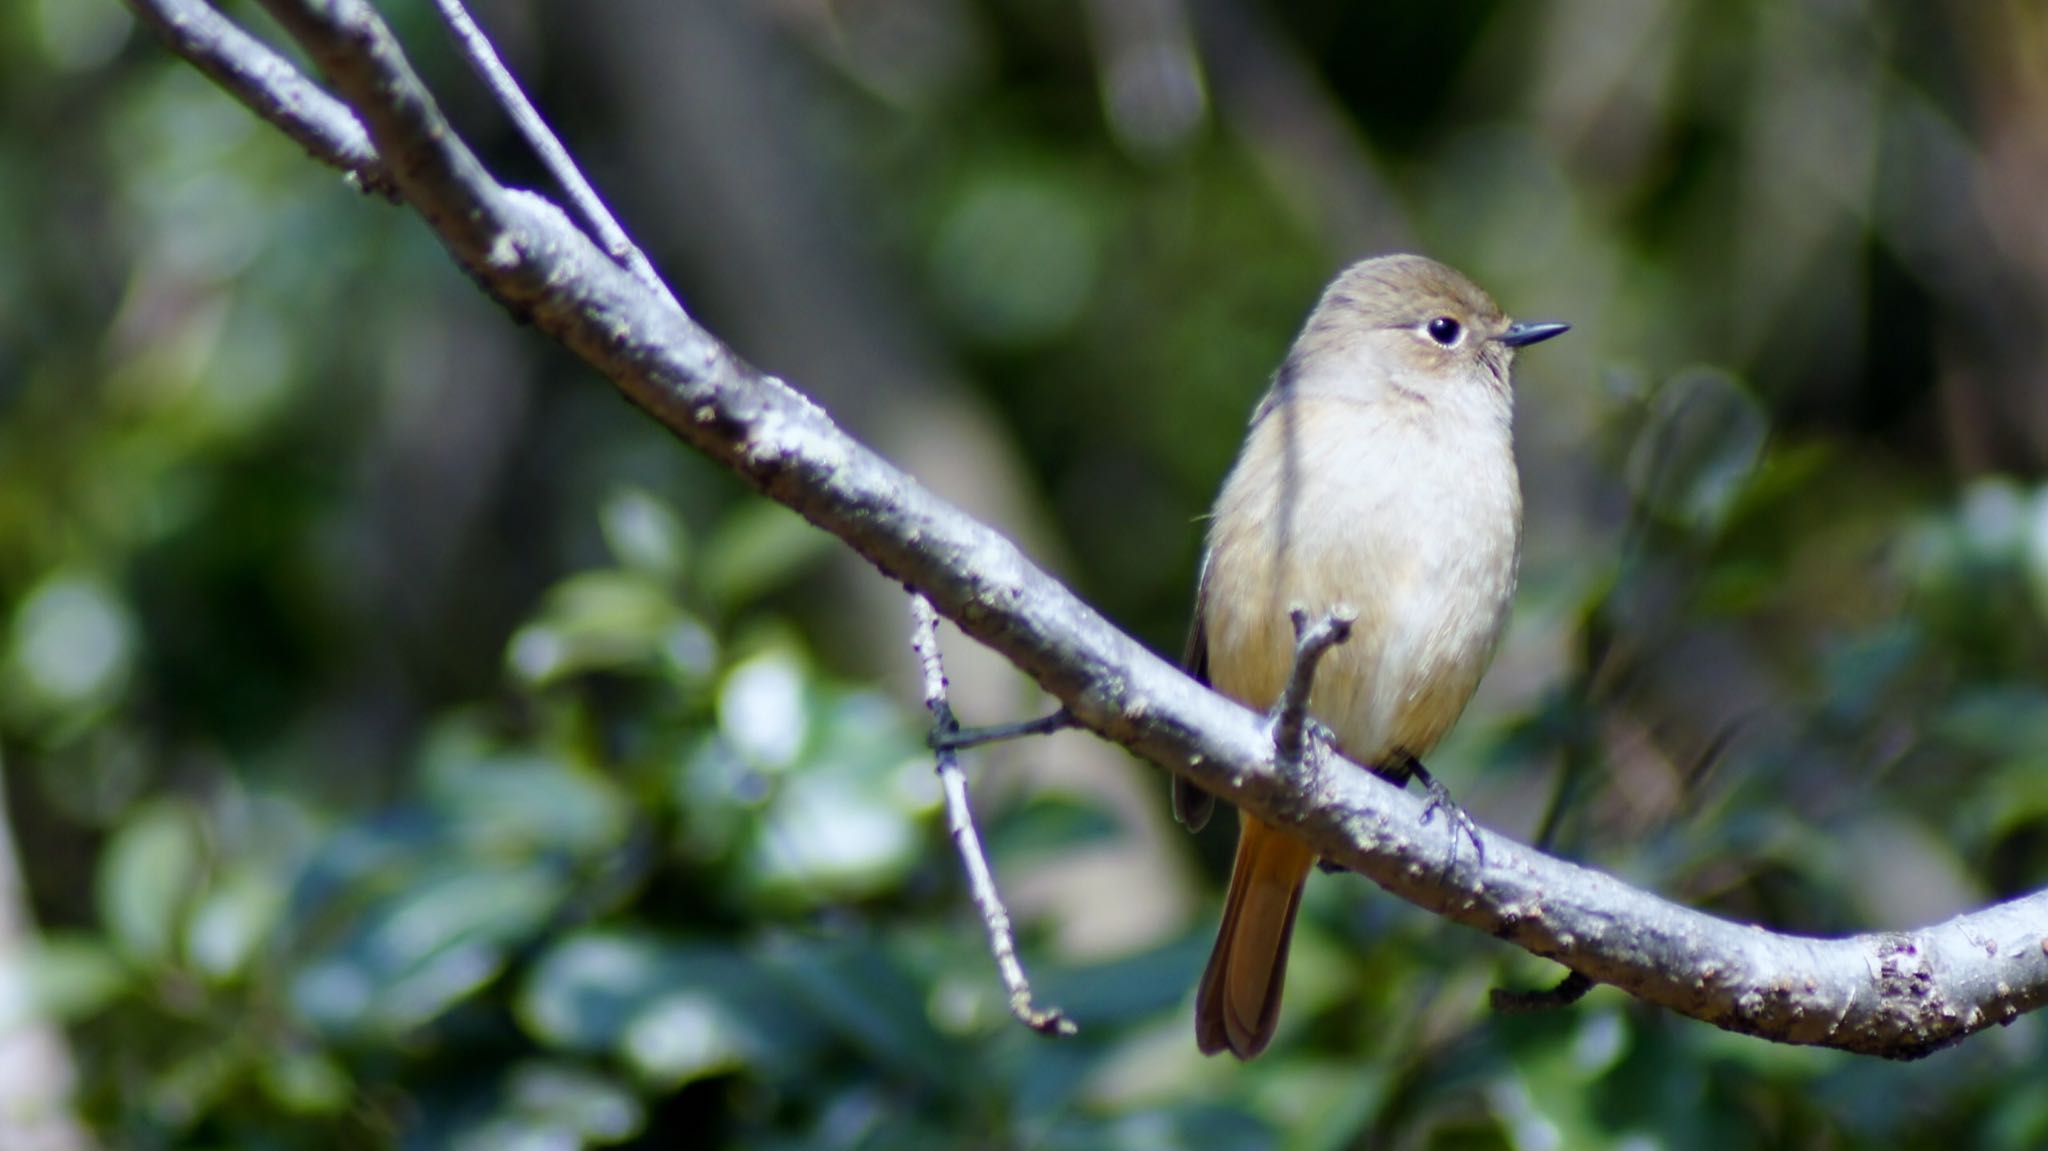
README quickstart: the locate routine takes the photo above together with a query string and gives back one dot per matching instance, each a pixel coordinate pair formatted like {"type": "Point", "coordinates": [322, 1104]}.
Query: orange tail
{"type": "Point", "coordinates": [1239, 1002]}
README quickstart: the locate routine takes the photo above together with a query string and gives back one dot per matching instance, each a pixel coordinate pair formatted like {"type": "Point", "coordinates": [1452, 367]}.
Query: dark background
{"type": "Point", "coordinates": [406, 743]}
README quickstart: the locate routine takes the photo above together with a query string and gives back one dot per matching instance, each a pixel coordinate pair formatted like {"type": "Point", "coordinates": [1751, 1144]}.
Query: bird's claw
{"type": "Point", "coordinates": [1319, 734]}
{"type": "Point", "coordinates": [1461, 823]}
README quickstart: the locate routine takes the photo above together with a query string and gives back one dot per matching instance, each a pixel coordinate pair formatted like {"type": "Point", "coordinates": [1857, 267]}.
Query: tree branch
{"type": "Point", "coordinates": [981, 882]}
{"type": "Point", "coordinates": [588, 204]}
{"type": "Point", "coordinates": [268, 85]}
{"type": "Point", "coordinates": [1895, 994]}
{"type": "Point", "coordinates": [1290, 716]}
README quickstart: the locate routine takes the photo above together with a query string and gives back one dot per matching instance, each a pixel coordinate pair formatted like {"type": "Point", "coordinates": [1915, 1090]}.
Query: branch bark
{"type": "Point", "coordinates": [1893, 994]}
{"type": "Point", "coordinates": [270, 86]}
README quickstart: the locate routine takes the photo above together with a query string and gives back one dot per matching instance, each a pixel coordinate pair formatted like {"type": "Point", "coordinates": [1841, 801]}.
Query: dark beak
{"type": "Point", "coordinates": [1522, 335]}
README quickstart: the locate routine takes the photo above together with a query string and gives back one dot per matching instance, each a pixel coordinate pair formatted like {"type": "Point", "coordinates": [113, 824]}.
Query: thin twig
{"type": "Point", "coordinates": [268, 85]}
{"type": "Point", "coordinates": [476, 47]}
{"type": "Point", "coordinates": [434, 168]}
{"type": "Point", "coordinates": [1568, 991]}
{"type": "Point", "coordinates": [981, 882]}
{"type": "Point", "coordinates": [962, 738]}
{"type": "Point", "coordinates": [1311, 642]}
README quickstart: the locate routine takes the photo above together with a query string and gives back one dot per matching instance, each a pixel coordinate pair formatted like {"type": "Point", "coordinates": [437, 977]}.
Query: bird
{"type": "Point", "coordinates": [1378, 477]}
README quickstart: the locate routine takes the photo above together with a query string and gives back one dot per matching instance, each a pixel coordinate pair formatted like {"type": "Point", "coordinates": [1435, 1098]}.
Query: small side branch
{"type": "Point", "coordinates": [981, 882]}
{"type": "Point", "coordinates": [1290, 716]}
{"type": "Point", "coordinates": [1568, 991]}
{"type": "Point", "coordinates": [962, 738]}
{"type": "Point", "coordinates": [268, 85]}
{"type": "Point", "coordinates": [489, 67]}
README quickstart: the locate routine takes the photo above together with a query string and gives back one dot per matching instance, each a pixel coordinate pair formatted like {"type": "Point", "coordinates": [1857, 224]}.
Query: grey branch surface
{"type": "Point", "coordinates": [1312, 641]}
{"type": "Point", "coordinates": [477, 48]}
{"type": "Point", "coordinates": [1894, 994]}
{"type": "Point", "coordinates": [269, 86]}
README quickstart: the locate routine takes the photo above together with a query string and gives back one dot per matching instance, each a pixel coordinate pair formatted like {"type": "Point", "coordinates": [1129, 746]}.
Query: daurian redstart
{"type": "Point", "coordinates": [1379, 475]}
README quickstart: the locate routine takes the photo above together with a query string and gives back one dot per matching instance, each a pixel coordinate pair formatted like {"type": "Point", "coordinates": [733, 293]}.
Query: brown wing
{"type": "Point", "coordinates": [1191, 805]}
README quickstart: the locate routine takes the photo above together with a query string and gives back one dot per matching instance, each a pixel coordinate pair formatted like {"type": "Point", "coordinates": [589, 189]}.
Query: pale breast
{"type": "Point", "coordinates": [1413, 522]}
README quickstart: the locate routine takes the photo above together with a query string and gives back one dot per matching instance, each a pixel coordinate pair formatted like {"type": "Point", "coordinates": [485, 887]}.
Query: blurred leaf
{"type": "Point", "coordinates": [825, 836]}
{"type": "Point", "coordinates": [375, 854]}
{"type": "Point", "coordinates": [1015, 256]}
{"type": "Point", "coordinates": [71, 644]}
{"type": "Point", "coordinates": [184, 1088]}
{"type": "Point", "coordinates": [1700, 441]}
{"type": "Point", "coordinates": [1996, 520]}
{"type": "Point", "coordinates": [150, 874]}
{"type": "Point", "coordinates": [1211, 1128]}
{"type": "Point", "coordinates": [233, 919]}
{"type": "Point", "coordinates": [2002, 720]}
{"type": "Point", "coordinates": [415, 954]}
{"type": "Point", "coordinates": [1861, 673]}
{"type": "Point", "coordinates": [610, 620]}
{"type": "Point", "coordinates": [1128, 990]}
{"type": "Point", "coordinates": [570, 1098]}
{"type": "Point", "coordinates": [644, 534]}
{"type": "Point", "coordinates": [682, 1037]}
{"type": "Point", "coordinates": [1049, 823]}
{"type": "Point", "coordinates": [758, 548]}
{"type": "Point", "coordinates": [62, 978]}
{"type": "Point", "coordinates": [714, 792]}
{"type": "Point", "coordinates": [845, 821]}
{"type": "Point", "coordinates": [79, 36]}
{"type": "Point", "coordinates": [526, 802]}
{"type": "Point", "coordinates": [2009, 799]}
{"type": "Point", "coordinates": [2019, 1120]}
{"type": "Point", "coordinates": [676, 1011]}
{"type": "Point", "coordinates": [869, 999]}
{"type": "Point", "coordinates": [762, 709]}
{"type": "Point", "coordinates": [1549, 1095]}
{"type": "Point", "coordinates": [307, 1083]}
{"type": "Point", "coordinates": [1337, 1099]}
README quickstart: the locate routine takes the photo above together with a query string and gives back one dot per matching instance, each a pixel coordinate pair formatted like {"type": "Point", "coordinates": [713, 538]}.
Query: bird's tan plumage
{"type": "Point", "coordinates": [1378, 474]}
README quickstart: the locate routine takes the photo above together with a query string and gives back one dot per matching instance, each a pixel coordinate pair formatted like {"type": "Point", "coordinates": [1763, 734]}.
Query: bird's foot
{"type": "Point", "coordinates": [1319, 734]}
{"type": "Point", "coordinates": [1460, 823]}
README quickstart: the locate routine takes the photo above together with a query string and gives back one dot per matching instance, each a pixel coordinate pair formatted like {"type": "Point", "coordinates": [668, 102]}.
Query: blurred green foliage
{"type": "Point", "coordinates": [407, 745]}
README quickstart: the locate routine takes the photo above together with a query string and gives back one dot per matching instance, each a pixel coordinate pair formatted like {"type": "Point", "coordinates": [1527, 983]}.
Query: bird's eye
{"type": "Point", "coordinates": [1445, 330]}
